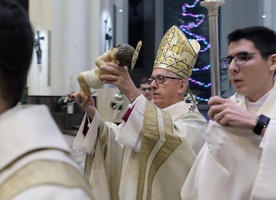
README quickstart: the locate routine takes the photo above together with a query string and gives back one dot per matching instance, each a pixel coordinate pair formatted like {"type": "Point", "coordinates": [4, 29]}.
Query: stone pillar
{"type": "Point", "coordinates": [269, 14]}
{"type": "Point", "coordinates": [75, 40]}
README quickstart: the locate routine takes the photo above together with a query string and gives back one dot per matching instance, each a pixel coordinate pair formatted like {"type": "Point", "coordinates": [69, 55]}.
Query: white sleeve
{"type": "Point", "coordinates": [86, 143]}
{"type": "Point", "coordinates": [266, 176]}
{"type": "Point", "coordinates": [130, 131]}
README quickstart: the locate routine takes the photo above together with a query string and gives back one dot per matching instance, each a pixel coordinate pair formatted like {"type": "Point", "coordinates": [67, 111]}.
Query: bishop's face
{"type": "Point", "coordinates": [170, 91]}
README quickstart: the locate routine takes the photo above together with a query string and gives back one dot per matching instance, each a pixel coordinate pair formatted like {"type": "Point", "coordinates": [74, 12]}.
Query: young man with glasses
{"type": "Point", "coordinates": [150, 154]}
{"type": "Point", "coordinates": [238, 161]}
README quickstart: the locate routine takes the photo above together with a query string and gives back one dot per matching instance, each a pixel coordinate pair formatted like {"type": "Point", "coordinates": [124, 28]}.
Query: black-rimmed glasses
{"type": "Point", "coordinates": [240, 59]}
{"type": "Point", "coordinates": [161, 79]}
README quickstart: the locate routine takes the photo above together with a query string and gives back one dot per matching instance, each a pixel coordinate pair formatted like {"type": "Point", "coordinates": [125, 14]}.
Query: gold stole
{"type": "Point", "coordinates": [156, 126]}
{"type": "Point", "coordinates": [43, 172]}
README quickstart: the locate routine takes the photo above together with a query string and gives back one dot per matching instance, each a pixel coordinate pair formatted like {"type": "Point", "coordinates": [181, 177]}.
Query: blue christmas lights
{"type": "Point", "coordinates": [206, 67]}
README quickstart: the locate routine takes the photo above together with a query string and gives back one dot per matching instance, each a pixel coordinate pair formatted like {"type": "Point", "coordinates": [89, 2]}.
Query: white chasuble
{"type": "Point", "coordinates": [147, 157]}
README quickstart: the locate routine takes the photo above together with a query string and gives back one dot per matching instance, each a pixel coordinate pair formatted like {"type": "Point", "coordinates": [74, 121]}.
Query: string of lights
{"type": "Point", "coordinates": [206, 67]}
{"type": "Point", "coordinates": [195, 20]}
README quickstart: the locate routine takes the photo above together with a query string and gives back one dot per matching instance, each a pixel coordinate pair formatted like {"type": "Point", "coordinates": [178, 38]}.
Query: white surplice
{"type": "Point", "coordinates": [232, 165]}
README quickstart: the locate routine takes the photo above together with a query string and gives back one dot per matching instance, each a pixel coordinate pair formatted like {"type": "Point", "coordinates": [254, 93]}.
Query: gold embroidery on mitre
{"type": "Point", "coordinates": [176, 53]}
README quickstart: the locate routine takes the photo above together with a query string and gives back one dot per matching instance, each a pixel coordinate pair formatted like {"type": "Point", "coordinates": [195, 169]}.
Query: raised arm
{"type": "Point", "coordinates": [119, 77]}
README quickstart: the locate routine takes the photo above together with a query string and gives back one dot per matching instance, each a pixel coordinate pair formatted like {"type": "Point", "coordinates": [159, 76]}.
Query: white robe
{"type": "Point", "coordinates": [232, 165]}
{"type": "Point", "coordinates": [147, 157]}
{"type": "Point", "coordinates": [29, 135]}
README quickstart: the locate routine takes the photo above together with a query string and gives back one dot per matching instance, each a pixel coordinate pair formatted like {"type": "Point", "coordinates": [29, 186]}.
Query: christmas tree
{"type": "Point", "coordinates": [192, 19]}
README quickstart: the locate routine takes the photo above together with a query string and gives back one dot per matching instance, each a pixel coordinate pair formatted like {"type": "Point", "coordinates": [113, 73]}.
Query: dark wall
{"type": "Point", "coordinates": [24, 4]}
{"type": "Point", "coordinates": [142, 27]}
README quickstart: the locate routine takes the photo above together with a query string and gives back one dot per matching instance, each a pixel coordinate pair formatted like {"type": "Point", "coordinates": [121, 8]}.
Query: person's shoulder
{"type": "Point", "coordinates": [46, 177]}
{"type": "Point", "coordinates": [32, 107]}
{"type": "Point", "coordinates": [53, 192]}
{"type": "Point", "coordinates": [192, 111]}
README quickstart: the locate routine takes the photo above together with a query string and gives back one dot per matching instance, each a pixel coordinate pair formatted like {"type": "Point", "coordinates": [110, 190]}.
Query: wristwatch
{"type": "Point", "coordinates": [262, 122]}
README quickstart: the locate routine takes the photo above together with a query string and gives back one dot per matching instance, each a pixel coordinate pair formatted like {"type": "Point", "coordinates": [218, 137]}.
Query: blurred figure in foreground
{"type": "Point", "coordinates": [35, 159]}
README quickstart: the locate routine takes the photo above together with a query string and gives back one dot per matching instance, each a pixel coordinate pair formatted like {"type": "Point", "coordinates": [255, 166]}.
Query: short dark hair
{"type": "Point", "coordinates": [16, 48]}
{"type": "Point", "coordinates": [144, 80]}
{"type": "Point", "coordinates": [263, 38]}
{"type": "Point", "coordinates": [124, 54]}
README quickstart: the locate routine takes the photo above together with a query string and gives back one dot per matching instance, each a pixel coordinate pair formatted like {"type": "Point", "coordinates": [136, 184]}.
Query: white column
{"type": "Point", "coordinates": [75, 40]}
{"type": "Point", "coordinates": [269, 14]}
{"type": "Point", "coordinates": [121, 21]}
{"type": "Point", "coordinates": [76, 37]}
{"type": "Point", "coordinates": [57, 48]}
